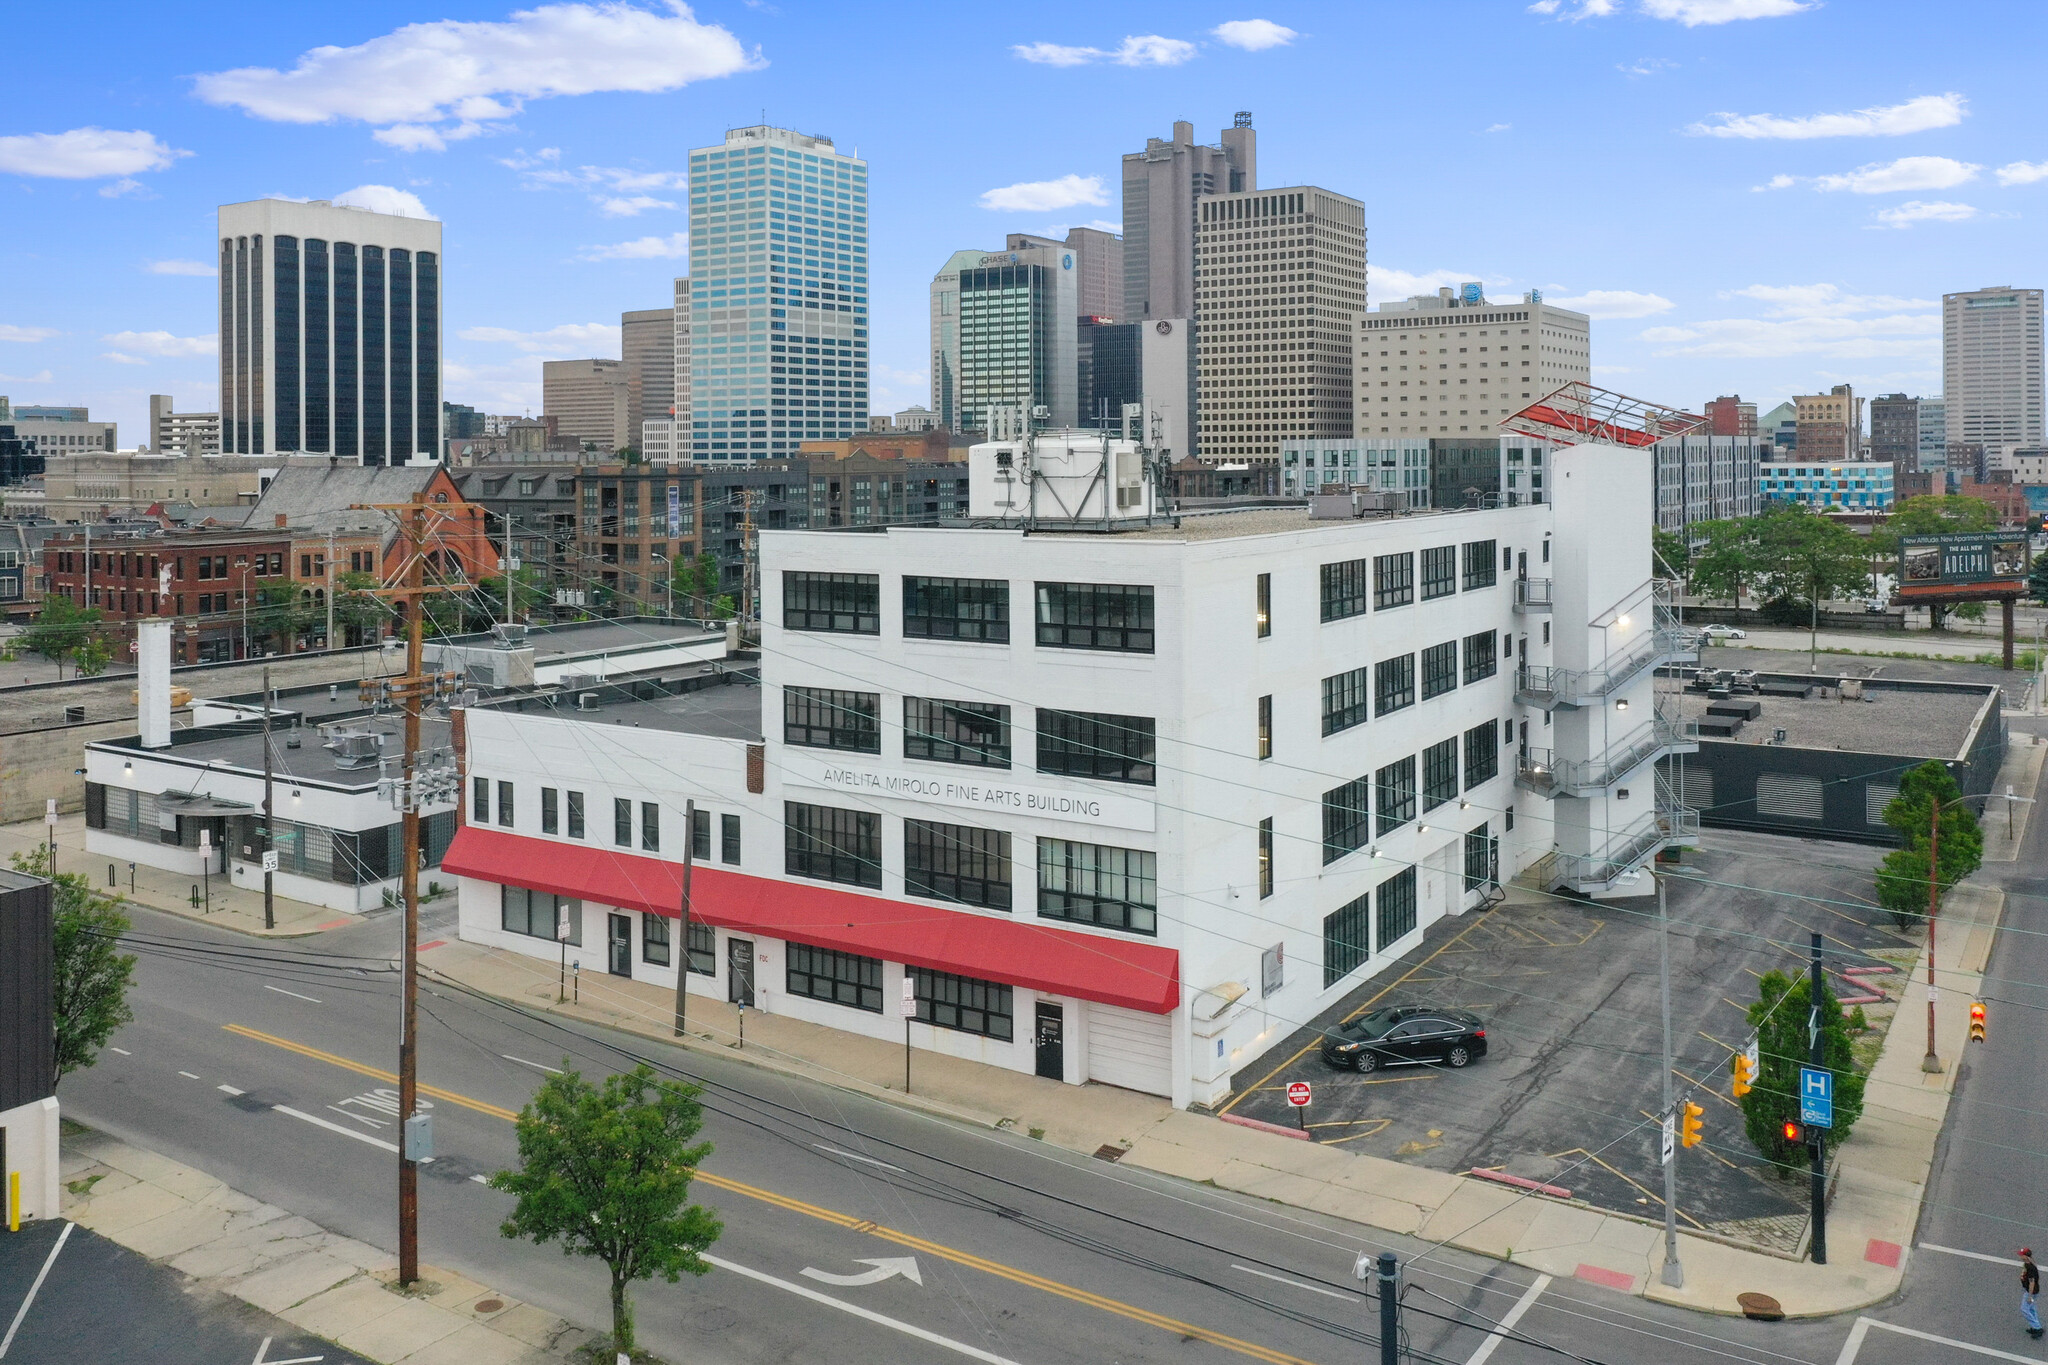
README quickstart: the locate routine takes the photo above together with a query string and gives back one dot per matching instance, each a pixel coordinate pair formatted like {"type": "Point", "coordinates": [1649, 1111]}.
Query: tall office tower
{"type": "Point", "coordinates": [1099, 266]}
{"type": "Point", "coordinates": [1455, 363]}
{"type": "Point", "coordinates": [1895, 432]}
{"type": "Point", "coordinates": [1281, 276]}
{"type": "Point", "coordinates": [330, 332]}
{"type": "Point", "coordinates": [1933, 453]}
{"type": "Point", "coordinates": [1003, 334]}
{"type": "Point", "coordinates": [1991, 366]}
{"type": "Point", "coordinates": [647, 342]}
{"type": "Point", "coordinates": [590, 401]}
{"type": "Point", "coordinates": [1730, 416]}
{"type": "Point", "coordinates": [1109, 370]}
{"type": "Point", "coordinates": [778, 294]}
{"type": "Point", "coordinates": [1161, 185]}
{"type": "Point", "coordinates": [1830, 424]}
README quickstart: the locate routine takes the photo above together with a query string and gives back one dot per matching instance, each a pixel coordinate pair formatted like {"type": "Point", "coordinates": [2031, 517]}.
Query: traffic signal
{"type": "Point", "coordinates": [1689, 1116]}
{"type": "Point", "coordinates": [1793, 1133]}
{"type": "Point", "coordinates": [1976, 1021]}
{"type": "Point", "coordinates": [1745, 1073]}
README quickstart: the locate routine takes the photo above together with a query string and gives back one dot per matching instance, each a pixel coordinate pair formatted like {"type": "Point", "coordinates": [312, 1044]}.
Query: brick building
{"type": "Point", "coordinates": [216, 578]}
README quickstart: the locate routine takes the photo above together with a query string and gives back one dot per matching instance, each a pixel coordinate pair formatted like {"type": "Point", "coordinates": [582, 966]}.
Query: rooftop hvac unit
{"type": "Point", "coordinates": [573, 681]}
{"type": "Point", "coordinates": [354, 748]}
{"type": "Point", "coordinates": [586, 701]}
{"type": "Point", "coordinates": [508, 633]}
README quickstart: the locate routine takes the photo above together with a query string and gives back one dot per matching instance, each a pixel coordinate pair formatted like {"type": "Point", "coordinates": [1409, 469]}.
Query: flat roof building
{"type": "Point", "coordinates": [1454, 363]}
{"type": "Point", "coordinates": [1991, 366]}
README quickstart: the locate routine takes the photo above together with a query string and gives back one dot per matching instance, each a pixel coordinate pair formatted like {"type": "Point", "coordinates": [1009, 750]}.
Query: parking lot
{"type": "Point", "coordinates": [1568, 991]}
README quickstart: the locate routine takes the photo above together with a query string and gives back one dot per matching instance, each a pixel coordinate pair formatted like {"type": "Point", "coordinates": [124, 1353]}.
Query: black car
{"type": "Point", "coordinates": [1406, 1035]}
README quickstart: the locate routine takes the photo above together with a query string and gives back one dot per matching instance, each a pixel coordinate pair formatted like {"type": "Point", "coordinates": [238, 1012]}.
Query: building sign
{"type": "Point", "coordinates": [972, 793]}
{"type": "Point", "coordinates": [1929, 565]}
{"type": "Point", "coordinates": [675, 511]}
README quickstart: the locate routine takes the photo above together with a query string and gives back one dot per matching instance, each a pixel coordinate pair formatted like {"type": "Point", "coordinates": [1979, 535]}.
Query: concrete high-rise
{"type": "Point", "coordinates": [1455, 363]}
{"type": "Point", "coordinates": [1830, 425]}
{"type": "Point", "coordinates": [778, 284]}
{"type": "Point", "coordinates": [1991, 366]}
{"type": "Point", "coordinates": [1933, 453]}
{"type": "Point", "coordinates": [647, 345]}
{"type": "Point", "coordinates": [1098, 271]}
{"type": "Point", "coordinates": [1004, 334]}
{"type": "Point", "coordinates": [1281, 284]}
{"type": "Point", "coordinates": [330, 331]}
{"type": "Point", "coordinates": [181, 433]}
{"type": "Point", "coordinates": [590, 401]}
{"type": "Point", "coordinates": [1895, 431]}
{"type": "Point", "coordinates": [1161, 185]}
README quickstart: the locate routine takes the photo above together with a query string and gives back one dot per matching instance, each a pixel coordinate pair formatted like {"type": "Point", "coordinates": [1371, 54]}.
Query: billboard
{"type": "Point", "coordinates": [1970, 562]}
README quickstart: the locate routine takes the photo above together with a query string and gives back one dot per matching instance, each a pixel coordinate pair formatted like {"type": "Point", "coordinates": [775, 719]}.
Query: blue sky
{"type": "Point", "coordinates": [1761, 196]}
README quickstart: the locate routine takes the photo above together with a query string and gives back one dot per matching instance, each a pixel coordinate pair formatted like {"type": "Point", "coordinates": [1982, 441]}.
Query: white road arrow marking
{"type": "Point", "coordinates": [885, 1267]}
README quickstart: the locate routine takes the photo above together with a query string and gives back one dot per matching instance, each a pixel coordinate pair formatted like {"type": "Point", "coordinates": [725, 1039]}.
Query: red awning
{"type": "Point", "coordinates": [1113, 971]}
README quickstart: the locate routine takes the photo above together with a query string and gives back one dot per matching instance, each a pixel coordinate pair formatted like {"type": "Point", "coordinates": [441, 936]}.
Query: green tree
{"type": "Point", "coordinates": [1670, 554]}
{"type": "Point", "coordinates": [358, 616]}
{"type": "Point", "coordinates": [1726, 560]}
{"type": "Point", "coordinates": [1933, 514]}
{"type": "Point", "coordinates": [59, 629]}
{"type": "Point", "coordinates": [1805, 558]}
{"type": "Point", "coordinates": [2037, 580]}
{"type": "Point", "coordinates": [91, 658]}
{"type": "Point", "coordinates": [281, 612]}
{"type": "Point", "coordinates": [605, 1170]}
{"type": "Point", "coordinates": [1902, 877]}
{"type": "Point", "coordinates": [92, 975]}
{"type": "Point", "coordinates": [530, 593]}
{"type": "Point", "coordinates": [1781, 1018]}
{"type": "Point", "coordinates": [696, 589]}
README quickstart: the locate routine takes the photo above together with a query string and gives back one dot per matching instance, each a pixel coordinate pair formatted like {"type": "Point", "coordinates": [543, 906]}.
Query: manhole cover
{"type": "Point", "coordinates": [1109, 1151]}
{"type": "Point", "coordinates": [490, 1305]}
{"type": "Point", "coordinates": [1760, 1307]}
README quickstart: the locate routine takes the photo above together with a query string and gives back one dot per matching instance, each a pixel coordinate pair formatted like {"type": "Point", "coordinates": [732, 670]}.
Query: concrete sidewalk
{"type": "Point", "coordinates": [332, 1286]}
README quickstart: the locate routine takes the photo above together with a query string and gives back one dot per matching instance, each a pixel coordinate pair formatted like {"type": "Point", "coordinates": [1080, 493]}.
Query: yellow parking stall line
{"type": "Point", "coordinates": [1637, 1184]}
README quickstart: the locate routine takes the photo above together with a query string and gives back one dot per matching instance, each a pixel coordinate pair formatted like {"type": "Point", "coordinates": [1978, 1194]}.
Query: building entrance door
{"type": "Point", "coordinates": [1052, 1046]}
{"type": "Point", "coordinates": [739, 971]}
{"type": "Point", "coordinates": [621, 945]}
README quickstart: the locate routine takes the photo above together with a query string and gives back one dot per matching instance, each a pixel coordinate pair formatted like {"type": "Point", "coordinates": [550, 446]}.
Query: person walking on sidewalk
{"type": "Point", "coordinates": [2030, 1290]}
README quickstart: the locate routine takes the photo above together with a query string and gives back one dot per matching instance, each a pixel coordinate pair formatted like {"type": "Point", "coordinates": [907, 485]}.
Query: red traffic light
{"type": "Point", "coordinates": [1793, 1132]}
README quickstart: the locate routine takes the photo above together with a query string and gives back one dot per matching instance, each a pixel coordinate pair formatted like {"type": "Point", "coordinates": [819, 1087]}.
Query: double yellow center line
{"type": "Point", "coordinates": [1185, 1330]}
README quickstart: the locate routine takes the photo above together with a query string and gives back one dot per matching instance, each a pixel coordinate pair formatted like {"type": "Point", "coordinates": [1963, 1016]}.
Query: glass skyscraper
{"type": "Point", "coordinates": [778, 285]}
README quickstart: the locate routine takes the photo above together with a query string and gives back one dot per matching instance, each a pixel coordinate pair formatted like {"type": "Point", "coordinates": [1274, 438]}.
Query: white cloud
{"type": "Point", "coordinates": [1588, 9]}
{"type": "Point", "coordinates": [1499, 127]}
{"type": "Point", "coordinates": [1810, 320]}
{"type": "Point", "coordinates": [11, 332]}
{"type": "Point", "coordinates": [1647, 66]}
{"type": "Point", "coordinates": [39, 377]}
{"type": "Point", "coordinates": [1907, 173]}
{"type": "Point", "coordinates": [163, 344]}
{"type": "Point", "coordinates": [425, 137]}
{"type": "Point", "coordinates": [1254, 35]}
{"type": "Point", "coordinates": [1059, 230]}
{"type": "Point", "coordinates": [384, 199]}
{"type": "Point", "coordinates": [1384, 282]}
{"type": "Point", "coordinates": [2022, 172]}
{"type": "Point", "coordinates": [127, 185]}
{"type": "Point", "coordinates": [631, 206]}
{"type": "Point", "coordinates": [1924, 211]}
{"type": "Point", "coordinates": [1614, 303]}
{"type": "Point", "coordinates": [181, 268]}
{"type": "Point", "coordinates": [85, 154]}
{"type": "Point", "coordinates": [455, 73]}
{"type": "Point", "coordinates": [120, 359]}
{"type": "Point", "coordinates": [1693, 13]}
{"type": "Point", "coordinates": [1824, 300]}
{"type": "Point", "coordinates": [567, 339]}
{"type": "Point", "coordinates": [1039, 196]}
{"type": "Point", "coordinates": [1893, 120]}
{"type": "Point", "coordinates": [641, 249]}
{"type": "Point", "coordinates": [1147, 49]}
{"type": "Point", "coordinates": [618, 191]}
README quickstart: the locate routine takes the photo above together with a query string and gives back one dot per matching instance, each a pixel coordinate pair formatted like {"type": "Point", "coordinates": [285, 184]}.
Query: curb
{"type": "Point", "coordinates": [1262, 1126]}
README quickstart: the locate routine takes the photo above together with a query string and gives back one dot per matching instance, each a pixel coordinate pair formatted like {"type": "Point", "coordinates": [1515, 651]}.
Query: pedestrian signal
{"type": "Point", "coordinates": [1745, 1073]}
{"type": "Point", "coordinates": [1689, 1134]}
{"type": "Point", "coordinates": [1793, 1133]}
{"type": "Point", "coordinates": [1976, 1021]}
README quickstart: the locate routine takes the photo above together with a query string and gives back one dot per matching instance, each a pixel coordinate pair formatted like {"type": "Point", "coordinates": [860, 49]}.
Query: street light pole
{"type": "Point", "coordinates": [682, 949]}
{"type": "Point", "coordinates": [269, 904]}
{"type": "Point", "coordinates": [1674, 1272]}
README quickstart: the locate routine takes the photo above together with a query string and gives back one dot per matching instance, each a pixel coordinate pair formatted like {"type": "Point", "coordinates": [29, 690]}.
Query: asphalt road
{"type": "Point", "coordinates": [1023, 1252]}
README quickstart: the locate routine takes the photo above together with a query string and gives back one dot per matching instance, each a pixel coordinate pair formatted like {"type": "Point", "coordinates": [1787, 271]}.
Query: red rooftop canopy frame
{"type": "Point", "coordinates": [1580, 413]}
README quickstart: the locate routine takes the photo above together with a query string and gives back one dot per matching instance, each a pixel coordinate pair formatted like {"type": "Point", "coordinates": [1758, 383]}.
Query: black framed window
{"type": "Point", "coordinates": [1117, 888]}
{"type": "Point", "coordinates": [1263, 608]}
{"type": "Point", "coordinates": [480, 801]}
{"type": "Point", "coordinates": [1482, 754]}
{"type": "Point", "coordinates": [957, 863]}
{"type": "Point", "coordinates": [1394, 794]}
{"type": "Point", "coordinates": [1346, 939]}
{"type": "Point", "coordinates": [1480, 866]}
{"type": "Point", "coordinates": [700, 835]}
{"type": "Point", "coordinates": [963, 1003]}
{"type": "Point", "coordinates": [1347, 700]}
{"type": "Point", "coordinates": [1089, 744]}
{"type": "Point", "coordinates": [505, 804]}
{"type": "Point", "coordinates": [1482, 659]}
{"type": "Point", "coordinates": [729, 839]}
{"type": "Point", "coordinates": [956, 731]}
{"type": "Point", "coordinates": [622, 822]}
{"type": "Point", "coordinates": [1440, 669]}
{"type": "Point", "coordinates": [703, 950]}
{"type": "Point", "coordinates": [850, 603]}
{"type": "Point", "coordinates": [957, 609]}
{"type": "Point", "coordinates": [1479, 566]}
{"type": "Point", "coordinates": [1440, 773]}
{"type": "Point", "coordinates": [1265, 727]}
{"type": "Point", "coordinates": [1265, 857]}
{"type": "Point", "coordinates": [1347, 814]}
{"type": "Point", "coordinates": [841, 978]}
{"type": "Point", "coordinates": [650, 827]}
{"type": "Point", "coordinates": [654, 939]}
{"type": "Point", "coordinates": [1394, 906]}
{"type": "Point", "coordinates": [825, 718]}
{"type": "Point", "coordinates": [1393, 684]}
{"type": "Point", "coordinates": [1439, 571]}
{"type": "Point", "coordinates": [1345, 588]}
{"type": "Point", "coordinates": [575, 815]}
{"type": "Point", "coordinates": [828, 844]}
{"type": "Point", "coordinates": [550, 811]}
{"type": "Point", "coordinates": [1393, 580]}
{"type": "Point", "coordinates": [536, 913]}
{"type": "Point", "coordinates": [1113, 616]}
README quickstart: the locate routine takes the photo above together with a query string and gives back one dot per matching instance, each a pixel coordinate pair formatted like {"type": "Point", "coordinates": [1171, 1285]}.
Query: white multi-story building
{"type": "Point", "coordinates": [1707, 478]}
{"type": "Point", "coordinates": [1453, 363]}
{"type": "Point", "coordinates": [181, 433]}
{"type": "Point", "coordinates": [778, 295]}
{"type": "Point", "coordinates": [1991, 366]}
{"type": "Point", "coordinates": [1117, 799]}
{"type": "Point", "coordinates": [330, 331]}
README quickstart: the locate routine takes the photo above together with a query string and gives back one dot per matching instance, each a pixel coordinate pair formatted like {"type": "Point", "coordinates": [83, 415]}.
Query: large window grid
{"type": "Point", "coordinates": [1439, 571]}
{"type": "Point", "coordinates": [1345, 589]}
{"type": "Point", "coordinates": [957, 609]}
{"type": "Point", "coordinates": [1393, 684]}
{"type": "Point", "coordinates": [1440, 669]}
{"type": "Point", "coordinates": [1088, 744]}
{"type": "Point", "coordinates": [1481, 867]}
{"type": "Point", "coordinates": [826, 718]}
{"type": "Point", "coordinates": [536, 913]}
{"type": "Point", "coordinates": [840, 978]}
{"type": "Point", "coordinates": [1440, 773]}
{"type": "Point", "coordinates": [1393, 580]}
{"type": "Point", "coordinates": [1394, 794]}
{"type": "Point", "coordinates": [1479, 565]}
{"type": "Point", "coordinates": [654, 939]}
{"type": "Point", "coordinates": [957, 863]}
{"type": "Point", "coordinates": [1346, 939]}
{"type": "Point", "coordinates": [1096, 616]}
{"type": "Point", "coordinates": [1117, 888]}
{"type": "Point", "coordinates": [850, 603]}
{"type": "Point", "coordinates": [1347, 812]}
{"type": "Point", "coordinates": [972, 732]}
{"type": "Point", "coordinates": [1482, 754]}
{"type": "Point", "coordinates": [964, 1003]}
{"type": "Point", "coordinates": [828, 844]}
{"type": "Point", "coordinates": [703, 950]}
{"type": "Point", "coordinates": [1394, 902]}
{"type": "Point", "coordinates": [1347, 700]}
{"type": "Point", "coordinates": [1481, 656]}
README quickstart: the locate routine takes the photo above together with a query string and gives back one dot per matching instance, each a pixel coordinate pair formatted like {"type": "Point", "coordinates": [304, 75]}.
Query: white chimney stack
{"type": "Point", "coordinates": [153, 683]}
